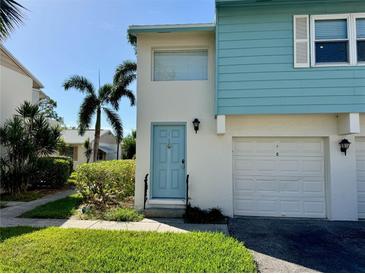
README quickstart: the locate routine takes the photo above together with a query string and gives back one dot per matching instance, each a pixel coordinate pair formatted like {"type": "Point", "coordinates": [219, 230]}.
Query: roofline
{"type": "Point", "coordinates": [11, 56]}
{"type": "Point", "coordinates": [91, 140]}
{"type": "Point", "coordinates": [135, 29]}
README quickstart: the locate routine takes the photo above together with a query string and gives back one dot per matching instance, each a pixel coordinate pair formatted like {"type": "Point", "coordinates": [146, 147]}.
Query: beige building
{"type": "Point", "coordinates": [237, 163]}
{"type": "Point", "coordinates": [17, 84]}
{"type": "Point", "coordinates": [107, 145]}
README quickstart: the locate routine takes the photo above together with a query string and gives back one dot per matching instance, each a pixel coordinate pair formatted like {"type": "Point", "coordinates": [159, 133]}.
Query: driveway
{"type": "Point", "coordinates": [297, 245]}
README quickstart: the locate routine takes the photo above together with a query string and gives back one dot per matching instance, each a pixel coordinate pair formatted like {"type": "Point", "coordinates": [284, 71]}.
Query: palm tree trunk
{"type": "Point", "coordinates": [97, 134]}
{"type": "Point", "coordinates": [118, 144]}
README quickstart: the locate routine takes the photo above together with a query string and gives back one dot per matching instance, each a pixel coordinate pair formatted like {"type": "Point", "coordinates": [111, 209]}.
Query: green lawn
{"type": "Point", "coordinates": [22, 197]}
{"type": "Point", "coordinates": [30, 195]}
{"type": "Point", "coordinates": [24, 249]}
{"type": "Point", "coordinates": [59, 209]}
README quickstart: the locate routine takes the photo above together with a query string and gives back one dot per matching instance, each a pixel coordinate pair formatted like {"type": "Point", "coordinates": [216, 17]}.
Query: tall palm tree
{"type": "Point", "coordinates": [124, 75]}
{"type": "Point", "coordinates": [107, 95]}
{"type": "Point", "coordinates": [11, 15]}
{"type": "Point", "coordinates": [94, 103]}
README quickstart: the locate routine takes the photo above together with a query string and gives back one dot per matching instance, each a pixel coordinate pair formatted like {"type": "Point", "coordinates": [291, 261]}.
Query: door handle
{"type": "Point", "coordinates": [183, 161]}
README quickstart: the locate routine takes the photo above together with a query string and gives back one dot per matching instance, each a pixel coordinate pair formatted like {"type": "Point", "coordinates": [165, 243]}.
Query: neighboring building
{"type": "Point", "coordinates": [276, 86]}
{"type": "Point", "coordinates": [107, 145]}
{"type": "Point", "coordinates": [17, 84]}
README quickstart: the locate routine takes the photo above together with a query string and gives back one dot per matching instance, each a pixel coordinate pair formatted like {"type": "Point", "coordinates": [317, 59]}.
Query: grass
{"type": "Point", "coordinates": [59, 209]}
{"type": "Point", "coordinates": [29, 195]}
{"type": "Point", "coordinates": [78, 250]}
{"type": "Point", "coordinates": [22, 197]}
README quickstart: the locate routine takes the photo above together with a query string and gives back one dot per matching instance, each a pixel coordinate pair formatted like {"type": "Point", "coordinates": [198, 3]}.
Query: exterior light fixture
{"type": "Point", "coordinates": [196, 123]}
{"type": "Point", "coordinates": [344, 145]}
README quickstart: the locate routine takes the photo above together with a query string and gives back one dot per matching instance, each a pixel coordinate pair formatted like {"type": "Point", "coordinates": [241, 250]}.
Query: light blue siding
{"type": "Point", "coordinates": [255, 71]}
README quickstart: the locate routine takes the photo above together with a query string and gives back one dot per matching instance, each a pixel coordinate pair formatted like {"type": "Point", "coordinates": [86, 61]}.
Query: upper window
{"type": "Point", "coordinates": [360, 39]}
{"type": "Point", "coordinates": [178, 65]}
{"type": "Point", "coordinates": [338, 39]}
{"type": "Point", "coordinates": [331, 41]}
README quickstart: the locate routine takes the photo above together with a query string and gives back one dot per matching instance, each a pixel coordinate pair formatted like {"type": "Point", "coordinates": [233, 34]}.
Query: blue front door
{"type": "Point", "coordinates": [168, 174]}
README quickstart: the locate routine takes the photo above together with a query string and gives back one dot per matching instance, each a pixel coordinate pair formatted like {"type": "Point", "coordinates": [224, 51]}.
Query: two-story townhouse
{"type": "Point", "coordinates": [17, 84]}
{"type": "Point", "coordinates": [276, 86]}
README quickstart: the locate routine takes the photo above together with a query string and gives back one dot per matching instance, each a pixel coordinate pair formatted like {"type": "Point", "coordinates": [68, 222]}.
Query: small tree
{"type": "Point", "coordinates": [88, 149]}
{"type": "Point", "coordinates": [47, 107]}
{"type": "Point", "coordinates": [129, 146]}
{"type": "Point", "coordinates": [25, 138]}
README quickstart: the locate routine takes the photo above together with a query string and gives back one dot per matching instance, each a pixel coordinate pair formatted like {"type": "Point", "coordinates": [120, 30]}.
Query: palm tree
{"type": "Point", "coordinates": [88, 149]}
{"type": "Point", "coordinates": [124, 75]}
{"type": "Point", "coordinates": [11, 15]}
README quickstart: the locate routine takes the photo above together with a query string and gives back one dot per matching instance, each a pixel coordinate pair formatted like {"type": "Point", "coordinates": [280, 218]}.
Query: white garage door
{"type": "Point", "coordinates": [279, 177]}
{"type": "Point", "coordinates": [360, 160]}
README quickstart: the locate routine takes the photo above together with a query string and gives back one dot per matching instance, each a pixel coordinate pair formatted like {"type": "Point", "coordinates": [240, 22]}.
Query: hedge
{"type": "Point", "coordinates": [51, 171]}
{"type": "Point", "coordinates": [107, 182]}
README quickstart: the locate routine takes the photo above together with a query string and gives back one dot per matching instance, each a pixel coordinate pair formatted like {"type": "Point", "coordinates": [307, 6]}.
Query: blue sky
{"type": "Point", "coordinates": [60, 38]}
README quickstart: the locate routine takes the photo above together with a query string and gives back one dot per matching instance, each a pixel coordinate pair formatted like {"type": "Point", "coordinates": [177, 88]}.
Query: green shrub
{"type": "Point", "coordinates": [66, 158]}
{"type": "Point", "coordinates": [51, 172]}
{"type": "Point", "coordinates": [199, 216]}
{"type": "Point", "coordinates": [72, 179]}
{"type": "Point", "coordinates": [106, 183]}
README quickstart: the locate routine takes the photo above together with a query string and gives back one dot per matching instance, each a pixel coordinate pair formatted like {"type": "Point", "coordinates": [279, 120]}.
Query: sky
{"type": "Point", "coordinates": [60, 38]}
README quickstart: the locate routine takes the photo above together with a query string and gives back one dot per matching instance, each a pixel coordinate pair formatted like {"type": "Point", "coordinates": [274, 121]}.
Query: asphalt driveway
{"type": "Point", "coordinates": [297, 245]}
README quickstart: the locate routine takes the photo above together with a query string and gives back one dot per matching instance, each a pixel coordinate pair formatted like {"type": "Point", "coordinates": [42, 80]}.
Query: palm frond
{"type": "Point", "coordinates": [123, 71]}
{"type": "Point", "coordinates": [124, 75]}
{"type": "Point", "coordinates": [11, 15]}
{"type": "Point", "coordinates": [104, 92]}
{"type": "Point", "coordinates": [80, 83]}
{"type": "Point", "coordinates": [115, 121]}
{"type": "Point", "coordinates": [87, 111]}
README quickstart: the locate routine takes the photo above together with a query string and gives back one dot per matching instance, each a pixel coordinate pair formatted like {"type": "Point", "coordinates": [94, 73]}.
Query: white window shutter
{"type": "Point", "coordinates": [301, 41]}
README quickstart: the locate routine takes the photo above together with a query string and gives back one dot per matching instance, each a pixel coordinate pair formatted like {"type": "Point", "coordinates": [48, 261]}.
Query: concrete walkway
{"type": "Point", "coordinates": [8, 218]}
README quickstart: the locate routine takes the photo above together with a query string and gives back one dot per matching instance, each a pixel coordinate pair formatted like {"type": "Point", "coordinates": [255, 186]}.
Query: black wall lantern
{"type": "Point", "coordinates": [344, 145]}
{"type": "Point", "coordinates": [196, 123]}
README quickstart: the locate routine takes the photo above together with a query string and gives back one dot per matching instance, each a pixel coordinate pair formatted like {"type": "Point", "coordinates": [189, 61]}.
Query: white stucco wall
{"type": "Point", "coordinates": [15, 88]}
{"type": "Point", "coordinates": [209, 156]}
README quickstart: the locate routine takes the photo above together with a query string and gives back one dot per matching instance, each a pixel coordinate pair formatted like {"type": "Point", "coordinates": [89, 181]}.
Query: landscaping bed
{"type": "Point", "coordinates": [24, 249]}
{"type": "Point", "coordinates": [70, 206]}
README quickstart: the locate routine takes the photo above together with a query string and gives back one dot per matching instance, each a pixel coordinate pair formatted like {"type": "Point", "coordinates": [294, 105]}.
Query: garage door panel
{"type": "Point", "coordinates": [253, 147]}
{"type": "Point", "coordinates": [312, 208]}
{"type": "Point", "coordinates": [282, 178]}
{"type": "Point", "coordinates": [360, 168]}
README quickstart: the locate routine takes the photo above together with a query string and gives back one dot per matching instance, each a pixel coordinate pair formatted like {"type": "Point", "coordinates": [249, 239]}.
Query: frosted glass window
{"type": "Point", "coordinates": [180, 65]}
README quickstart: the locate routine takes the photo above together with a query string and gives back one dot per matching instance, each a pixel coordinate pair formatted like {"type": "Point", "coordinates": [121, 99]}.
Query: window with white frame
{"type": "Point", "coordinates": [360, 39]}
{"type": "Point", "coordinates": [338, 39]}
{"type": "Point", "coordinates": [179, 65]}
{"type": "Point", "coordinates": [331, 41]}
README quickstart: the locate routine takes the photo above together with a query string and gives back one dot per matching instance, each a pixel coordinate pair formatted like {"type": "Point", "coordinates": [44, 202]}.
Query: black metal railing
{"type": "Point", "coordinates": [187, 190]}
{"type": "Point", "coordinates": [145, 190]}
